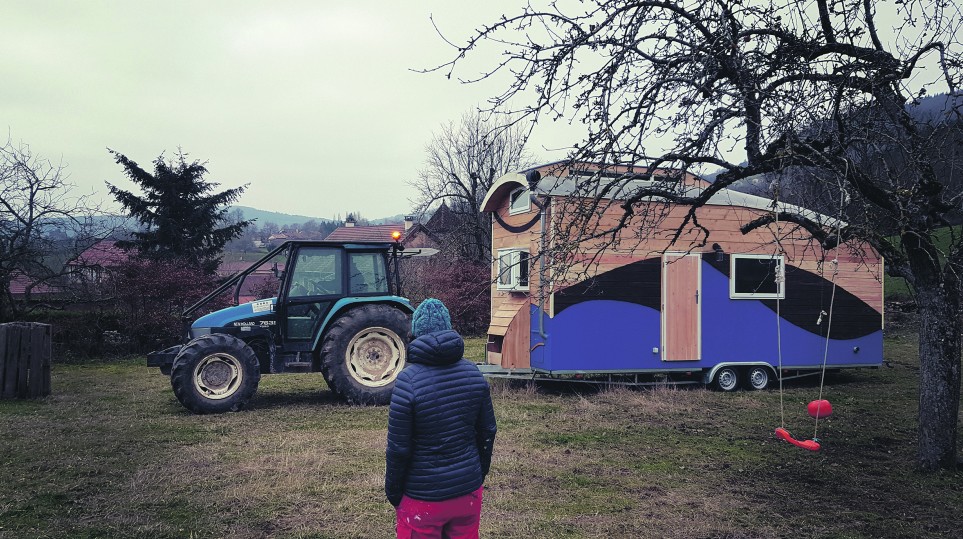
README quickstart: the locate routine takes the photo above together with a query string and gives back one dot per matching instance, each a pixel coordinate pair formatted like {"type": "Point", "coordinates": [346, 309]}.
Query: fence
{"type": "Point", "coordinates": [25, 352]}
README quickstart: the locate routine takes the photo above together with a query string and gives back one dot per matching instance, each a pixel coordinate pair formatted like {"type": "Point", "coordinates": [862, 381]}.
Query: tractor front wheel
{"type": "Point", "coordinates": [215, 373]}
{"type": "Point", "coordinates": [363, 353]}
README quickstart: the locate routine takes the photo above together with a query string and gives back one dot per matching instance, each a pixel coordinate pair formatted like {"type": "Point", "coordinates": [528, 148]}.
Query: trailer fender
{"type": "Point", "coordinates": [710, 374]}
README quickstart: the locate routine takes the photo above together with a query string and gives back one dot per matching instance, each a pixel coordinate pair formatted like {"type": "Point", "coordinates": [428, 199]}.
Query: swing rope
{"type": "Point", "coordinates": [814, 444]}
{"type": "Point", "coordinates": [782, 408]}
{"type": "Point", "coordinates": [832, 299]}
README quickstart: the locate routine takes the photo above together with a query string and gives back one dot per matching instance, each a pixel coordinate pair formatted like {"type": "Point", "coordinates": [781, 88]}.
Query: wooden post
{"type": "Point", "coordinates": [25, 354]}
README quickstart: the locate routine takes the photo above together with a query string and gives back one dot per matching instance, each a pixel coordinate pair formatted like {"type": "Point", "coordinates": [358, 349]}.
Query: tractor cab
{"type": "Point", "coordinates": [335, 309]}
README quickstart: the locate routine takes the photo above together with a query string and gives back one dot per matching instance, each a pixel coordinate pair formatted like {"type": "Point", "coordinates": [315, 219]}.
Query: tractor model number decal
{"type": "Point", "coordinates": [265, 305]}
{"type": "Point", "coordinates": [261, 323]}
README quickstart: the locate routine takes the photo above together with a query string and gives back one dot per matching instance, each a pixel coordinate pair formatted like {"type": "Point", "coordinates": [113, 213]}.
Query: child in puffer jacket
{"type": "Point", "coordinates": [441, 431]}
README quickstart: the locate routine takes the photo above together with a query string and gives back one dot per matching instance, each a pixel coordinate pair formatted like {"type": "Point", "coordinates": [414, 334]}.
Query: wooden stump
{"type": "Point", "coordinates": [25, 352]}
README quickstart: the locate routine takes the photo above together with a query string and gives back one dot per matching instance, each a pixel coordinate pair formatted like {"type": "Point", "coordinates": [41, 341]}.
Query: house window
{"type": "Point", "coordinates": [519, 201]}
{"type": "Point", "coordinates": [513, 269]}
{"type": "Point", "coordinates": [757, 277]}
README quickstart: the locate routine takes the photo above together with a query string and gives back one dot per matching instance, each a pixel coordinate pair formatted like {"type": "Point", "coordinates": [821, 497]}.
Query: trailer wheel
{"type": "Point", "coordinates": [215, 373]}
{"type": "Point", "coordinates": [758, 378]}
{"type": "Point", "coordinates": [363, 353]}
{"type": "Point", "coordinates": [727, 379]}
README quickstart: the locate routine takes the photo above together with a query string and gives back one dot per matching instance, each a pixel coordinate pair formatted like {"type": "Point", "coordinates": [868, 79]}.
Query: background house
{"type": "Point", "coordinates": [95, 263]}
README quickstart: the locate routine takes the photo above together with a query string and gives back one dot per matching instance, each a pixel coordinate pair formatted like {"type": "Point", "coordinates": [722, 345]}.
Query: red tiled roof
{"type": "Point", "coordinates": [20, 282]}
{"type": "Point", "coordinates": [443, 220]}
{"type": "Point", "coordinates": [104, 253]}
{"type": "Point", "coordinates": [377, 233]}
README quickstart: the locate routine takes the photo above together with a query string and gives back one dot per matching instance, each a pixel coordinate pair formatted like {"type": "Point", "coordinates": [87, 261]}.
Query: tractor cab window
{"type": "Point", "coordinates": [367, 274]}
{"type": "Point", "coordinates": [317, 272]}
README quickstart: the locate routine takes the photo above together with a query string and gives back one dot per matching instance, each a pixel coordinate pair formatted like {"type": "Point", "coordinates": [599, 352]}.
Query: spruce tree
{"type": "Point", "coordinates": [181, 215]}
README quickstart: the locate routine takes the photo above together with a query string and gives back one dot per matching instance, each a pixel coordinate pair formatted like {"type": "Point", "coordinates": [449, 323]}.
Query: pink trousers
{"type": "Point", "coordinates": [456, 518]}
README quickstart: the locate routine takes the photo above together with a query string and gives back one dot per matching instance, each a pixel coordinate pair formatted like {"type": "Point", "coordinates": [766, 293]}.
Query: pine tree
{"type": "Point", "coordinates": [181, 215]}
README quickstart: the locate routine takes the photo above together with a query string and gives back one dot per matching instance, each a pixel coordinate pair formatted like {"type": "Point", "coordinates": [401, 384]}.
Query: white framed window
{"type": "Point", "coordinates": [519, 201]}
{"type": "Point", "coordinates": [513, 269]}
{"type": "Point", "coordinates": [757, 276]}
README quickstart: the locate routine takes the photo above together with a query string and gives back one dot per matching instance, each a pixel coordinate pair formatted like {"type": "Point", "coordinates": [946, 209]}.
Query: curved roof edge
{"type": "Point", "coordinates": [508, 182]}
{"type": "Point", "coordinates": [563, 186]}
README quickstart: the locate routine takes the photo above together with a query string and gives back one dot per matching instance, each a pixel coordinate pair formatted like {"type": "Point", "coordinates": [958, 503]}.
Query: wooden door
{"type": "Point", "coordinates": [681, 307]}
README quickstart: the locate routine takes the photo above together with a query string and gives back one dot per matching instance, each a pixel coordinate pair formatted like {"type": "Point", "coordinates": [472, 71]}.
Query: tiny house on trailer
{"type": "Point", "coordinates": [728, 309]}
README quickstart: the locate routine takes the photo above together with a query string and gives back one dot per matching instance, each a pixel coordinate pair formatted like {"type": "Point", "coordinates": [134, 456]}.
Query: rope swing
{"type": "Point", "coordinates": [819, 408]}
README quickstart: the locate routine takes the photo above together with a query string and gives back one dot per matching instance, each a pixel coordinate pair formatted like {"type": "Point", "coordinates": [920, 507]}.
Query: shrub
{"type": "Point", "coordinates": [463, 286]}
{"type": "Point", "coordinates": [152, 294]}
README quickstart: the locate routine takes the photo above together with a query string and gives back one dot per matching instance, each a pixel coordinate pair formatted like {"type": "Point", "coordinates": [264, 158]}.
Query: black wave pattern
{"type": "Point", "coordinates": [516, 229]}
{"type": "Point", "coordinates": [807, 294]}
{"type": "Point", "coordinates": [638, 282]}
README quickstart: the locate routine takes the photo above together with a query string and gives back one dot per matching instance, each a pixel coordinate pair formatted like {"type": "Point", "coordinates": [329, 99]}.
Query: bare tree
{"type": "Point", "coordinates": [42, 224]}
{"type": "Point", "coordinates": [463, 161]}
{"type": "Point", "coordinates": [820, 88]}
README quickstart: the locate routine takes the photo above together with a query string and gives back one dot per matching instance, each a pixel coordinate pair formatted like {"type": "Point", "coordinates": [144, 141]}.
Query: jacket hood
{"type": "Point", "coordinates": [438, 348]}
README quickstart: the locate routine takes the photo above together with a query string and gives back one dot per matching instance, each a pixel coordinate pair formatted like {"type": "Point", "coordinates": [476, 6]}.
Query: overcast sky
{"type": "Point", "coordinates": [311, 103]}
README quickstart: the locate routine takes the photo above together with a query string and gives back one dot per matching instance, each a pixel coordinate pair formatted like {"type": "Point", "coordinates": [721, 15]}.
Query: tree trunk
{"type": "Point", "coordinates": [939, 350]}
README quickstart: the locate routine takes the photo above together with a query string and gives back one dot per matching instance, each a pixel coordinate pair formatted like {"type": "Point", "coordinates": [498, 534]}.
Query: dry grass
{"type": "Point", "coordinates": [113, 455]}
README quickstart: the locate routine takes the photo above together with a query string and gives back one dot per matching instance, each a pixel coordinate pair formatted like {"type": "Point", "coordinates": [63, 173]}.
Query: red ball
{"type": "Point", "coordinates": [820, 409]}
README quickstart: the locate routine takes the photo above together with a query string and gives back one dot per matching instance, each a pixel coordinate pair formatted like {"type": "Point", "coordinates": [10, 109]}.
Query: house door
{"type": "Point", "coordinates": [681, 307]}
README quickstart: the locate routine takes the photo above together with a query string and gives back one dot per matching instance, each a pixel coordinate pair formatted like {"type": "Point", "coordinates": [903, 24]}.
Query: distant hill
{"type": "Point", "coordinates": [280, 219]}
{"type": "Point", "coordinates": [936, 107]}
{"type": "Point", "coordinates": [393, 220]}
{"type": "Point", "coordinates": [933, 108]}
{"type": "Point", "coordinates": [283, 219]}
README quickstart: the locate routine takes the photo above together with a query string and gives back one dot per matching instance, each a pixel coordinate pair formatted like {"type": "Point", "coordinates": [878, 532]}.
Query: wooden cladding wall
{"type": "Point", "coordinates": [510, 333]}
{"type": "Point", "coordinates": [859, 270]}
{"type": "Point", "coordinates": [505, 303]}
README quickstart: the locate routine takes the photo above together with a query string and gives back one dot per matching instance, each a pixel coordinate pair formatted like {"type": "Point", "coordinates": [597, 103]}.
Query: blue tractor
{"type": "Point", "coordinates": [337, 311]}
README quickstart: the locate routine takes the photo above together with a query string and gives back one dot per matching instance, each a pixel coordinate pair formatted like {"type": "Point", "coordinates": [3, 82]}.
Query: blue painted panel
{"type": "Point", "coordinates": [539, 350]}
{"type": "Point", "coordinates": [745, 330]}
{"type": "Point", "coordinates": [616, 335]}
{"type": "Point", "coordinates": [600, 335]}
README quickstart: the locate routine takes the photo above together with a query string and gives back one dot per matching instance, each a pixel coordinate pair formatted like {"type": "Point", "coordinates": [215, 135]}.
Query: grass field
{"type": "Point", "coordinates": [113, 455]}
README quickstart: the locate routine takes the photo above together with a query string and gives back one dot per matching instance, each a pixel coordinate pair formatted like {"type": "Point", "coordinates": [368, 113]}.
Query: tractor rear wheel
{"type": "Point", "coordinates": [364, 351]}
{"type": "Point", "coordinates": [215, 373]}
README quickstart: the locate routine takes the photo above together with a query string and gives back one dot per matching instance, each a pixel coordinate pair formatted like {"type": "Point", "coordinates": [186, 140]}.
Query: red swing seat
{"type": "Point", "coordinates": [811, 445]}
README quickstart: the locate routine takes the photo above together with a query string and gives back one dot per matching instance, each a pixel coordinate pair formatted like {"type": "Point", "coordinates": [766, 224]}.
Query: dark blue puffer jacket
{"type": "Point", "coordinates": [441, 425]}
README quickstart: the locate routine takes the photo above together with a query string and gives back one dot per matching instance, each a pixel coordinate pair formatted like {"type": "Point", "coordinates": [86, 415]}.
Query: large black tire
{"type": "Point", "coordinates": [364, 351]}
{"type": "Point", "coordinates": [215, 373]}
